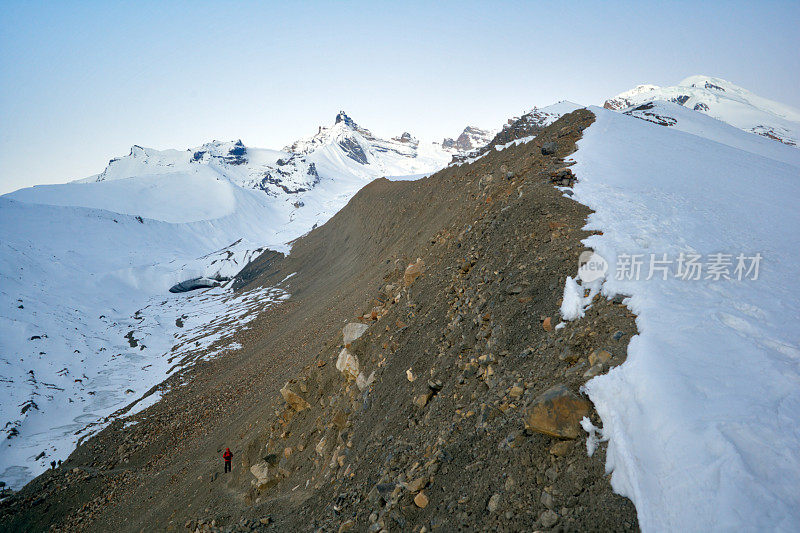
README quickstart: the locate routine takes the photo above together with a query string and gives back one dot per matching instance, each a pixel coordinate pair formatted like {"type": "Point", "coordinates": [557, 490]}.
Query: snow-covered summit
{"type": "Point", "coordinates": [722, 100]}
{"type": "Point", "coordinates": [623, 100]}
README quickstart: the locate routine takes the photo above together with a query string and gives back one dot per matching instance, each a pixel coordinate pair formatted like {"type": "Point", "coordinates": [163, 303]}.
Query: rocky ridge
{"type": "Point", "coordinates": [415, 381]}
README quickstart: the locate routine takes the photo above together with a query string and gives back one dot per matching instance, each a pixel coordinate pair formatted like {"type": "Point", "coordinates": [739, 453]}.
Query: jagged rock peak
{"type": "Point", "coordinates": [343, 117]}
{"type": "Point", "coordinates": [469, 139]}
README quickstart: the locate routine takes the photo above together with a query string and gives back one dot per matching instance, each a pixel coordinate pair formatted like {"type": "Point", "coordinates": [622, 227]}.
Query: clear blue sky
{"type": "Point", "coordinates": [80, 82]}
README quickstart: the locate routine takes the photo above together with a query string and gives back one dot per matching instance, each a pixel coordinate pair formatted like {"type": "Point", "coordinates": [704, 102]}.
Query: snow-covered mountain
{"type": "Point", "coordinates": [722, 100]}
{"type": "Point", "coordinates": [86, 268]}
{"type": "Point", "coordinates": [340, 151]}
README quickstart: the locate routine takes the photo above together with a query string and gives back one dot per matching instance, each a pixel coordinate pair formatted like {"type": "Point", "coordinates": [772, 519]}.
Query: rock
{"type": "Point", "coordinates": [385, 490]}
{"type": "Point", "coordinates": [293, 399]}
{"type": "Point", "coordinates": [568, 355]}
{"type": "Point", "coordinates": [547, 500]}
{"type": "Point", "coordinates": [435, 385]}
{"type": "Point", "coordinates": [557, 412]}
{"type": "Point", "coordinates": [347, 363]}
{"type": "Point", "coordinates": [353, 331]}
{"type": "Point", "coordinates": [549, 148]}
{"type": "Point", "coordinates": [599, 357]}
{"type": "Point", "coordinates": [421, 500]}
{"type": "Point", "coordinates": [514, 289]}
{"type": "Point", "coordinates": [593, 371]}
{"type": "Point", "coordinates": [421, 400]}
{"type": "Point", "coordinates": [618, 335]}
{"type": "Point", "coordinates": [560, 448]}
{"type": "Point", "coordinates": [410, 375]}
{"type": "Point", "coordinates": [362, 381]}
{"type": "Point", "coordinates": [549, 518]}
{"type": "Point", "coordinates": [417, 484]}
{"type": "Point", "coordinates": [413, 271]}
{"type": "Point", "coordinates": [320, 447]}
{"type": "Point", "coordinates": [261, 472]}
{"type": "Point", "coordinates": [547, 325]}
{"type": "Point", "coordinates": [494, 502]}
{"type": "Point", "coordinates": [516, 392]}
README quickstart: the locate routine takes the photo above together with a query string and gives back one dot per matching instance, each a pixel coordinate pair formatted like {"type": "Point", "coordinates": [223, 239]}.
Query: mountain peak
{"type": "Point", "coordinates": [722, 100]}
{"type": "Point", "coordinates": [344, 117]}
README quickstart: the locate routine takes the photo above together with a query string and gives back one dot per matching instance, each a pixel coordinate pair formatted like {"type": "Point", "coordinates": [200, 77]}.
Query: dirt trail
{"type": "Point", "coordinates": [458, 354]}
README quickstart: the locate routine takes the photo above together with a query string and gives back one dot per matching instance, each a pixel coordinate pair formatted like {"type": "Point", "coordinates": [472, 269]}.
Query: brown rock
{"type": "Point", "coordinates": [560, 448]}
{"type": "Point", "coordinates": [413, 271]}
{"type": "Point", "coordinates": [546, 324]}
{"type": "Point", "coordinates": [421, 400]}
{"type": "Point", "coordinates": [599, 356]}
{"type": "Point", "coordinates": [293, 399]}
{"type": "Point", "coordinates": [417, 484]}
{"type": "Point", "coordinates": [557, 412]}
{"type": "Point", "coordinates": [421, 500]}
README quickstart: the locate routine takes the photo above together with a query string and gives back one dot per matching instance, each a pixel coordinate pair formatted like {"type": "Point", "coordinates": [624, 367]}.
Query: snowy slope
{"type": "Point", "coordinates": [86, 316]}
{"type": "Point", "coordinates": [723, 101]}
{"type": "Point", "coordinates": [675, 116]}
{"type": "Point", "coordinates": [703, 416]}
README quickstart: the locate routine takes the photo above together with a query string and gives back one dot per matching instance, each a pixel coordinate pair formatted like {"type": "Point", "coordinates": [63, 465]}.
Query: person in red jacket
{"type": "Point", "coordinates": [227, 456]}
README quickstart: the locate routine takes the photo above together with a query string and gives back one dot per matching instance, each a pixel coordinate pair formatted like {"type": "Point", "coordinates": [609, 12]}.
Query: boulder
{"type": "Point", "coordinates": [194, 284]}
{"type": "Point", "coordinates": [347, 363]}
{"type": "Point", "coordinates": [293, 399]}
{"type": "Point", "coordinates": [263, 479]}
{"type": "Point", "coordinates": [557, 412]}
{"type": "Point", "coordinates": [413, 271]}
{"type": "Point", "coordinates": [549, 148]}
{"type": "Point", "coordinates": [353, 331]}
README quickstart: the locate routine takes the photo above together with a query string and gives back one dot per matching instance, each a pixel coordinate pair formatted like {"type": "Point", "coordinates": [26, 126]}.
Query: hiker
{"type": "Point", "coordinates": [227, 456]}
{"type": "Point", "coordinates": [53, 465]}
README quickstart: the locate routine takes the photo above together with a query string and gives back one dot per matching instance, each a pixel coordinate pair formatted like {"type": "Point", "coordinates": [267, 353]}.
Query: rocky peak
{"type": "Point", "coordinates": [405, 138]}
{"type": "Point", "coordinates": [343, 117]}
{"type": "Point", "coordinates": [469, 139]}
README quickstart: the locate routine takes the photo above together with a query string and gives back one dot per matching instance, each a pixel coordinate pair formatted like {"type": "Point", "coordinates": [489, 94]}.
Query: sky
{"type": "Point", "coordinates": [81, 82]}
